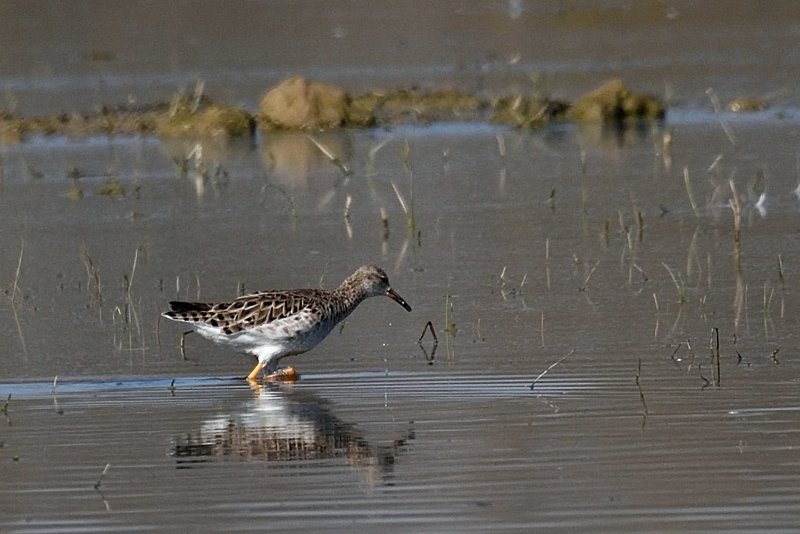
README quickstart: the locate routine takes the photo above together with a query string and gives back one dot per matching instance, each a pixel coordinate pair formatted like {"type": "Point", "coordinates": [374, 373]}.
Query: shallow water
{"type": "Point", "coordinates": [418, 451]}
{"type": "Point", "coordinates": [557, 257]}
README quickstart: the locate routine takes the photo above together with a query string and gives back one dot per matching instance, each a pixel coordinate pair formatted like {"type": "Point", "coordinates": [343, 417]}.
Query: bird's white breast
{"type": "Point", "coordinates": [291, 335]}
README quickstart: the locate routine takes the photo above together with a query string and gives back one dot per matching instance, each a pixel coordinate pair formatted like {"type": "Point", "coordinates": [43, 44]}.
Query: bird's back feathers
{"type": "Point", "coordinates": [249, 310]}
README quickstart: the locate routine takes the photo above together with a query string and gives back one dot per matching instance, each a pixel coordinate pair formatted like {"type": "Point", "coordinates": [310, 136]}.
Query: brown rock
{"type": "Point", "coordinates": [296, 104]}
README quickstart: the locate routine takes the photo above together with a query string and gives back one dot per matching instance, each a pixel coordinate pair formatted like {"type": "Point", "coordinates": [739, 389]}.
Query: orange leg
{"type": "Point", "coordinates": [255, 372]}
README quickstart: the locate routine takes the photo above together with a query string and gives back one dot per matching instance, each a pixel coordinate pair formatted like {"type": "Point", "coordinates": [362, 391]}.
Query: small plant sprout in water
{"type": "Point", "coordinates": [666, 149]}
{"type": "Point", "coordinates": [341, 165]}
{"type": "Point", "coordinates": [5, 409]}
{"type": "Point", "coordinates": [626, 231]}
{"type": "Point", "coordinates": [756, 193]}
{"type": "Point", "coordinates": [200, 168]}
{"type": "Point", "coordinates": [589, 277]}
{"type": "Point", "coordinates": [405, 154]}
{"type": "Point", "coordinates": [501, 145]}
{"type": "Point", "coordinates": [688, 182]}
{"type": "Point", "coordinates": [639, 225]}
{"type": "Point", "coordinates": [373, 152]}
{"type": "Point", "coordinates": [693, 258]}
{"type": "Point", "coordinates": [428, 327]}
{"type": "Point", "coordinates": [634, 267]}
{"type": "Point", "coordinates": [409, 213]}
{"type": "Point", "coordinates": [476, 332]}
{"type": "Point", "coordinates": [677, 280]}
{"type": "Point", "coordinates": [408, 207]}
{"type": "Point", "coordinates": [13, 298]}
{"type": "Point", "coordinates": [93, 286]}
{"type": "Point", "coordinates": [56, 407]}
{"type": "Point", "coordinates": [449, 320]}
{"type": "Point", "coordinates": [552, 365]}
{"type": "Point", "coordinates": [547, 262]}
{"type": "Point", "coordinates": [722, 122]}
{"type": "Point", "coordinates": [450, 326]}
{"type": "Point", "coordinates": [103, 474]}
{"type": "Point", "coordinates": [348, 201]}
{"type": "Point", "coordinates": [658, 317]}
{"type": "Point", "coordinates": [429, 357]}
{"type": "Point", "coordinates": [127, 314]}
{"type": "Point", "coordinates": [197, 96]}
{"type": "Point", "coordinates": [638, 381]}
{"type": "Point", "coordinates": [583, 163]}
{"type": "Point", "coordinates": [541, 330]}
{"type": "Point", "coordinates": [714, 164]}
{"type": "Point", "coordinates": [769, 293]}
{"type": "Point", "coordinates": [736, 207]}
{"type": "Point", "coordinates": [677, 358]}
{"type": "Point", "coordinates": [551, 200]}
{"type": "Point", "coordinates": [15, 285]}
{"type": "Point", "coordinates": [385, 224]}
{"type": "Point", "coordinates": [507, 287]}
{"type": "Point", "coordinates": [99, 491]}
{"type": "Point", "coordinates": [714, 345]}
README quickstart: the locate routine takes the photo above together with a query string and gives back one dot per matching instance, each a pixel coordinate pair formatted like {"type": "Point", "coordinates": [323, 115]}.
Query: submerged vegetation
{"type": "Point", "coordinates": [298, 104]}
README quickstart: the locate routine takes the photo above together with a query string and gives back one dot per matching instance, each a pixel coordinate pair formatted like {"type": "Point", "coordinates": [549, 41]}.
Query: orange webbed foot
{"type": "Point", "coordinates": [287, 374]}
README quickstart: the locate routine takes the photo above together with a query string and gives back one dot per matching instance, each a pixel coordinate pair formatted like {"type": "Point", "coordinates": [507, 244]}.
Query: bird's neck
{"type": "Point", "coordinates": [349, 295]}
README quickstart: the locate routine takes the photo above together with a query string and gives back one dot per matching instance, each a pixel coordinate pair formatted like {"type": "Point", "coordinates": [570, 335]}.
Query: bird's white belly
{"type": "Point", "coordinates": [278, 338]}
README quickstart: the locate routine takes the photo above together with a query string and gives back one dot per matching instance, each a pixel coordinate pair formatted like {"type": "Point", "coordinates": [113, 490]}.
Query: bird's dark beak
{"type": "Point", "coordinates": [392, 294]}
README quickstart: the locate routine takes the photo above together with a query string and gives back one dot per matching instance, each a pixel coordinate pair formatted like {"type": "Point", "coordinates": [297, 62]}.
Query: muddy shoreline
{"type": "Point", "coordinates": [297, 104]}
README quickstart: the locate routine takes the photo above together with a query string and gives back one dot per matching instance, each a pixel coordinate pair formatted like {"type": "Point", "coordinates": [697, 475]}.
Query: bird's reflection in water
{"type": "Point", "coordinates": [284, 426]}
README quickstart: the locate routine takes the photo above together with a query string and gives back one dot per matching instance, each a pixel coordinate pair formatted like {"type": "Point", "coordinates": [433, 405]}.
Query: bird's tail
{"type": "Point", "coordinates": [188, 312]}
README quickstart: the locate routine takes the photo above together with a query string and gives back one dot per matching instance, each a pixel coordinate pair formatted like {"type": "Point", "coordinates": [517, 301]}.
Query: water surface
{"type": "Point", "coordinates": [599, 265]}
